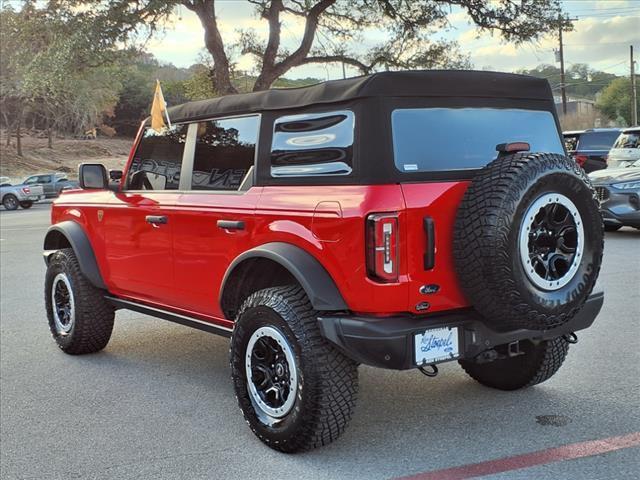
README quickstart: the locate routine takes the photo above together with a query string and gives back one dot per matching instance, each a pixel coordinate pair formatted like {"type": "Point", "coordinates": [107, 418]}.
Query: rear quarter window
{"type": "Point", "coordinates": [313, 144]}
{"type": "Point", "coordinates": [441, 139]}
{"type": "Point", "coordinates": [597, 140]}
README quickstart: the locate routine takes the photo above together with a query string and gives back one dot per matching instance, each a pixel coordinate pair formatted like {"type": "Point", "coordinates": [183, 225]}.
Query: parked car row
{"type": "Point", "coordinates": [34, 188]}
{"type": "Point", "coordinates": [599, 148]}
{"type": "Point", "coordinates": [611, 157]}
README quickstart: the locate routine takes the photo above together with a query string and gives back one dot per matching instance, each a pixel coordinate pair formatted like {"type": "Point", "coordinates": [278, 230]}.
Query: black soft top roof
{"type": "Point", "coordinates": [422, 83]}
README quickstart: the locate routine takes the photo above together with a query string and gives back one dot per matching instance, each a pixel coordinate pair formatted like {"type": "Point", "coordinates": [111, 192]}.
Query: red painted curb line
{"type": "Point", "coordinates": [551, 455]}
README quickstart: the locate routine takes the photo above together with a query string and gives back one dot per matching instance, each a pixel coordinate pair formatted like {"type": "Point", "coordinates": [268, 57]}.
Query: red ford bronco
{"type": "Point", "coordinates": [398, 220]}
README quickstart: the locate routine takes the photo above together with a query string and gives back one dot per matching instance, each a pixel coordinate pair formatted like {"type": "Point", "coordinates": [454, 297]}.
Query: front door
{"type": "Point", "coordinates": [140, 220]}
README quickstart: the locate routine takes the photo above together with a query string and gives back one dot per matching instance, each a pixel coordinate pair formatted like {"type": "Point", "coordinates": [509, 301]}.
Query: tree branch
{"type": "Point", "coordinates": [205, 9]}
{"type": "Point", "coordinates": [271, 73]}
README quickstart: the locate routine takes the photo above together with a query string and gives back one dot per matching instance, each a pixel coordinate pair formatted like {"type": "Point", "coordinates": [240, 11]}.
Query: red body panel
{"type": "Point", "coordinates": [183, 262]}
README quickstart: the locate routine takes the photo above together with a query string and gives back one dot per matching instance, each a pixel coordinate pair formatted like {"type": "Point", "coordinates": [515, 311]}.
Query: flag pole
{"type": "Point", "coordinates": [166, 112]}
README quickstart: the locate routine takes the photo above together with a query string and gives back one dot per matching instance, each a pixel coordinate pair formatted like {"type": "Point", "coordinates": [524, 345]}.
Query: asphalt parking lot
{"type": "Point", "coordinates": [158, 401]}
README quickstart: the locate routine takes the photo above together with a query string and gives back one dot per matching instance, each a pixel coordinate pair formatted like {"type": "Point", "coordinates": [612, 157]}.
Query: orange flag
{"type": "Point", "coordinates": [159, 110]}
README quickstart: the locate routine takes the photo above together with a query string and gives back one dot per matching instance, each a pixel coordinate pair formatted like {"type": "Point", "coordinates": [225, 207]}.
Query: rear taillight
{"type": "Point", "coordinates": [580, 159]}
{"type": "Point", "coordinates": [26, 190]}
{"type": "Point", "coordinates": [382, 247]}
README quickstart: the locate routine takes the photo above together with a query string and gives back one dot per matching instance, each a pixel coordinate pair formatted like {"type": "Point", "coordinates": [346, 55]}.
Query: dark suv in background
{"type": "Point", "coordinates": [590, 147]}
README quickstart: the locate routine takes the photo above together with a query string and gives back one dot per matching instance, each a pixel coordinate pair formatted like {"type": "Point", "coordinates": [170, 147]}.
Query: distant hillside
{"type": "Point", "coordinates": [582, 81]}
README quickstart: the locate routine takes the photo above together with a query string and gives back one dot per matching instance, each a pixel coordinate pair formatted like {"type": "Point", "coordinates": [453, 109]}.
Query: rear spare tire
{"type": "Point", "coordinates": [528, 241]}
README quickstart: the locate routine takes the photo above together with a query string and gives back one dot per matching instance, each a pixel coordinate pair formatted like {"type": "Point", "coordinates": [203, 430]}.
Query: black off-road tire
{"type": "Point", "coordinates": [612, 228]}
{"type": "Point", "coordinates": [26, 204]}
{"type": "Point", "coordinates": [539, 363]}
{"type": "Point", "coordinates": [10, 202]}
{"type": "Point", "coordinates": [487, 241]}
{"type": "Point", "coordinates": [328, 380]}
{"type": "Point", "coordinates": [92, 322]}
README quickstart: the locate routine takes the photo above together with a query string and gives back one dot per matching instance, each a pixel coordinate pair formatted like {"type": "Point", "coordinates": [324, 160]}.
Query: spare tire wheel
{"type": "Point", "coordinates": [528, 241]}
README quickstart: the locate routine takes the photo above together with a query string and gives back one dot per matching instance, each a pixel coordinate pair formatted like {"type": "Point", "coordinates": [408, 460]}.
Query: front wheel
{"type": "Point", "coordinates": [538, 362]}
{"type": "Point", "coordinates": [10, 202]}
{"type": "Point", "coordinates": [295, 390]}
{"type": "Point", "coordinates": [26, 204]}
{"type": "Point", "coordinates": [80, 319]}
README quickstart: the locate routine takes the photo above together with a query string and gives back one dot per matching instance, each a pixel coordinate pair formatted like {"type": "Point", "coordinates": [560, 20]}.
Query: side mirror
{"type": "Point", "coordinates": [115, 174]}
{"type": "Point", "coordinates": [93, 176]}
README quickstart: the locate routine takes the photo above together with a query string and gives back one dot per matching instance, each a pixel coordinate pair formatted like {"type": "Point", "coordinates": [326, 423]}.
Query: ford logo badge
{"type": "Point", "coordinates": [429, 289]}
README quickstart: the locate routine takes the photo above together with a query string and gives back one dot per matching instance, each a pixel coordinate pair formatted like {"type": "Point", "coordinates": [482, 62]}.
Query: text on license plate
{"type": "Point", "coordinates": [436, 345]}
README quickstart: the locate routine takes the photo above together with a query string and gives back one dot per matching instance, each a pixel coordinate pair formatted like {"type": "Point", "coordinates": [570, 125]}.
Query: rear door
{"type": "Point", "coordinates": [215, 218]}
{"type": "Point", "coordinates": [139, 222]}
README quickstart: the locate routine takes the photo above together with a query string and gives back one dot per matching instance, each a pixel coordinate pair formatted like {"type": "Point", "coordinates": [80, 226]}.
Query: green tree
{"type": "Point", "coordinates": [55, 70]}
{"type": "Point", "coordinates": [615, 100]}
{"type": "Point", "coordinates": [582, 81]}
{"type": "Point", "coordinates": [333, 31]}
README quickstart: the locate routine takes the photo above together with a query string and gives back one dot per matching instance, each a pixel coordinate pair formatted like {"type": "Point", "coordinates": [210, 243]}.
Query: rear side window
{"type": "Point", "coordinates": [570, 142]}
{"type": "Point", "coordinates": [597, 140]}
{"type": "Point", "coordinates": [314, 144]}
{"type": "Point", "coordinates": [157, 162]}
{"type": "Point", "coordinates": [225, 152]}
{"type": "Point", "coordinates": [433, 139]}
{"type": "Point", "coordinates": [628, 140]}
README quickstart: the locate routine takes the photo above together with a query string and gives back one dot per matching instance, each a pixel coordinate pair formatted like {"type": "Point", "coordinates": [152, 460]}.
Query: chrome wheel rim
{"type": "Point", "coordinates": [272, 377]}
{"type": "Point", "coordinates": [551, 241]}
{"type": "Point", "coordinates": [62, 302]}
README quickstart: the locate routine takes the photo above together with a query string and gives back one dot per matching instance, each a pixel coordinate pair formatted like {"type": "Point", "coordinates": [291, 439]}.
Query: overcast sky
{"type": "Point", "coordinates": [601, 38]}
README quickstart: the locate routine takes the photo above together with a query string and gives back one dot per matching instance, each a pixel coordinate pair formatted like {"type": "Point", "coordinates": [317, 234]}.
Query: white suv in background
{"type": "Point", "coordinates": [626, 148]}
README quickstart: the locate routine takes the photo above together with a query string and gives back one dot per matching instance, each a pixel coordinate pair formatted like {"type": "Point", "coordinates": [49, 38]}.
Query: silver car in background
{"type": "Point", "coordinates": [14, 196]}
{"type": "Point", "coordinates": [618, 190]}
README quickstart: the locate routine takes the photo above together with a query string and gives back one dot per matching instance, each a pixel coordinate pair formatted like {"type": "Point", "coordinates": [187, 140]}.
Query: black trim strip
{"type": "Point", "coordinates": [430, 254]}
{"type": "Point", "coordinates": [170, 316]}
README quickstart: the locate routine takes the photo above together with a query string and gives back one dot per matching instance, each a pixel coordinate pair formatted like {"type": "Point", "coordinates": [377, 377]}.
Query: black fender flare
{"type": "Point", "coordinates": [81, 246]}
{"type": "Point", "coordinates": [304, 267]}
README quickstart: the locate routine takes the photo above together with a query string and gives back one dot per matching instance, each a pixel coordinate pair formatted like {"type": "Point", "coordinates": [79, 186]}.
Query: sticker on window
{"type": "Point", "coordinates": [410, 167]}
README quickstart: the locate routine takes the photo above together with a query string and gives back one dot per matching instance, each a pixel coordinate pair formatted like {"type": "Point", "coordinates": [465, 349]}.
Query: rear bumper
{"type": "Point", "coordinates": [389, 342]}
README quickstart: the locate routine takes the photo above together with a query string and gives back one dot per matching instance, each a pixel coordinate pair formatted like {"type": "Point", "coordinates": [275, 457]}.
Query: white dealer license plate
{"type": "Point", "coordinates": [436, 345]}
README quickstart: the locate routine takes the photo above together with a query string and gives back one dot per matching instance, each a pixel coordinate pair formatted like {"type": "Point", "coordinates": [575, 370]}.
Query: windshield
{"type": "Point", "coordinates": [628, 140]}
{"type": "Point", "coordinates": [431, 139]}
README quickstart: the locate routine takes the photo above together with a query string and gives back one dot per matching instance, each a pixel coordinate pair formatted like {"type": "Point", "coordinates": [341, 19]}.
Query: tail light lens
{"type": "Point", "coordinates": [26, 190]}
{"type": "Point", "coordinates": [580, 159]}
{"type": "Point", "coordinates": [382, 247]}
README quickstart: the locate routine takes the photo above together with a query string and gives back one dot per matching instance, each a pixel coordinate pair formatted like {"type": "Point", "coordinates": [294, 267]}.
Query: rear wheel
{"type": "Point", "coordinates": [10, 202]}
{"type": "Point", "coordinates": [80, 319]}
{"type": "Point", "coordinates": [539, 362]}
{"type": "Point", "coordinates": [26, 204]}
{"type": "Point", "coordinates": [295, 390]}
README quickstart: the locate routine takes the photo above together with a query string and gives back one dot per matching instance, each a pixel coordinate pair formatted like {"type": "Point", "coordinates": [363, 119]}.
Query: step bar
{"type": "Point", "coordinates": [170, 316]}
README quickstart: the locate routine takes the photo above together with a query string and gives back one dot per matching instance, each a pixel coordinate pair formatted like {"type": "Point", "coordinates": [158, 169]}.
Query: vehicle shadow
{"type": "Point", "coordinates": [404, 422]}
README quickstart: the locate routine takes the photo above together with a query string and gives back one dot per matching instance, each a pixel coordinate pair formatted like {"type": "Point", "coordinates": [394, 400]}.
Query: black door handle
{"type": "Point", "coordinates": [231, 224]}
{"type": "Point", "coordinates": [156, 219]}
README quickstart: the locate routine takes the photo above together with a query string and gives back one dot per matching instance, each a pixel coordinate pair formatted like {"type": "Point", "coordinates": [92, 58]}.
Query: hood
{"type": "Point", "coordinates": [615, 175]}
